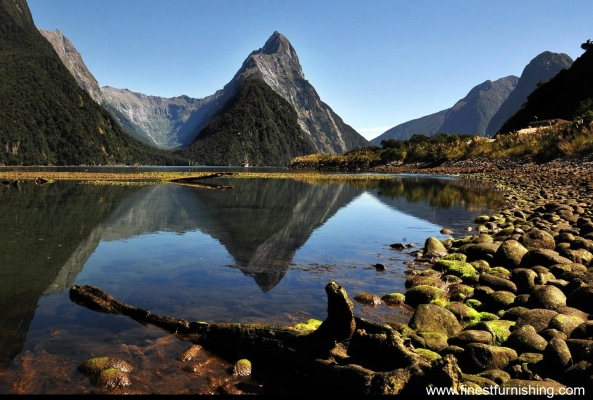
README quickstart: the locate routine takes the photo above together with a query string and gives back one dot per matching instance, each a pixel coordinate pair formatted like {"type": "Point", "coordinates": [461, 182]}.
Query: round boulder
{"type": "Point", "coordinates": [510, 254]}
{"type": "Point", "coordinates": [433, 318]}
{"type": "Point", "coordinates": [548, 297]}
{"type": "Point", "coordinates": [424, 294]}
{"type": "Point", "coordinates": [481, 357]}
{"type": "Point", "coordinates": [434, 248]}
{"type": "Point", "coordinates": [526, 340]}
{"type": "Point", "coordinates": [537, 239]}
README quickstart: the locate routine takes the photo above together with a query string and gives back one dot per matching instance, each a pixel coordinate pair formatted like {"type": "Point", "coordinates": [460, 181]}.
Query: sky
{"type": "Point", "coordinates": [376, 63]}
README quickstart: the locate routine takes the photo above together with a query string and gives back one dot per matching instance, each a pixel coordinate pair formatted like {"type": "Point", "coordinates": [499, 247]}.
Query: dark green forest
{"type": "Point", "coordinates": [256, 124]}
{"type": "Point", "coordinates": [45, 117]}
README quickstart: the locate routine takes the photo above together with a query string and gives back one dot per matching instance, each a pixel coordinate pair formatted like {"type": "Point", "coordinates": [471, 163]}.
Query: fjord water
{"type": "Point", "coordinates": [262, 252]}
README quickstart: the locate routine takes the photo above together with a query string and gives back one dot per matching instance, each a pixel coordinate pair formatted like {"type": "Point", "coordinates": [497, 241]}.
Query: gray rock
{"type": "Point", "coordinates": [433, 318]}
{"type": "Point", "coordinates": [539, 318]}
{"type": "Point", "coordinates": [548, 297]}
{"type": "Point", "coordinates": [481, 357]}
{"type": "Point", "coordinates": [466, 337]}
{"type": "Point", "coordinates": [509, 254]}
{"type": "Point", "coordinates": [543, 257]}
{"type": "Point", "coordinates": [526, 340]}
{"type": "Point", "coordinates": [565, 323]}
{"type": "Point", "coordinates": [497, 283]}
{"type": "Point", "coordinates": [537, 239]}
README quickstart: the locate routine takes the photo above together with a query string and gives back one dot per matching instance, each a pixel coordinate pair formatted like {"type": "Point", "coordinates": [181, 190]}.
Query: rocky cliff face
{"type": "Point", "coordinates": [541, 69]}
{"type": "Point", "coordinates": [167, 122]}
{"type": "Point", "coordinates": [73, 61]}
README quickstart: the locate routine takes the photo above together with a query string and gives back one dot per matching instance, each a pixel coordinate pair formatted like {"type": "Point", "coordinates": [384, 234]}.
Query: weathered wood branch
{"type": "Point", "coordinates": [345, 354]}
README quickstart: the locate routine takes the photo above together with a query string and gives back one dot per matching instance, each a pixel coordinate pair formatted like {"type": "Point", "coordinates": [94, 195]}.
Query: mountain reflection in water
{"type": "Point", "coordinates": [59, 234]}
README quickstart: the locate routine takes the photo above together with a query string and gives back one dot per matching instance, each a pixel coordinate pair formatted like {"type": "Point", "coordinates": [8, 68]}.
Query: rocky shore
{"type": "Point", "coordinates": [505, 309]}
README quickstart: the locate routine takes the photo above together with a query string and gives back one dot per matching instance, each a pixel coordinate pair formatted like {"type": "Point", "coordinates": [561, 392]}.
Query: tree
{"type": "Point", "coordinates": [587, 45]}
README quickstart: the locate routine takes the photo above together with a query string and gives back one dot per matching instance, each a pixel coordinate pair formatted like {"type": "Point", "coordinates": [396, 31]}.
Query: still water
{"type": "Point", "coordinates": [262, 251]}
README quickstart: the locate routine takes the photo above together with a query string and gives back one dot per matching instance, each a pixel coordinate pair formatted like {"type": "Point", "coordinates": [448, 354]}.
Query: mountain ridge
{"type": "Point", "coordinates": [540, 69]}
{"type": "Point", "coordinates": [46, 117]}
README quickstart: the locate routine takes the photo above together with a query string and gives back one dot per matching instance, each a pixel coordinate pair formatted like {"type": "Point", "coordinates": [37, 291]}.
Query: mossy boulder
{"type": "Point", "coordinates": [111, 378]}
{"type": "Point", "coordinates": [565, 323]}
{"type": "Point", "coordinates": [433, 340]}
{"type": "Point", "coordinates": [481, 251]}
{"type": "Point", "coordinates": [481, 265]}
{"type": "Point", "coordinates": [98, 364]}
{"type": "Point", "coordinates": [466, 337]}
{"type": "Point", "coordinates": [462, 269]}
{"type": "Point", "coordinates": [424, 294]}
{"type": "Point", "coordinates": [434, 248]}
{"type": "Point", "coordinates": [543, 257]}
{"type": "Point", "coordinates": [500, 300]}
{"type": "Point", "coordinates": [500, 272]}
{"type": "Point", "coordinates": [459, 291]}
{"type": "Point", "coordinates": [556, 357]}
{"type": "Point", "coordinates": [434, 318]}
{"type": "Point", "coordinates": [497, 282]}
{"type": "Point", "coordinates": [394, 299]}
{"type": "Point", "coordinates": [455, 257]}
{"type": "Point", "coordinates": [242, 368]}
{"type": "Point", "coordinates": [482, 219]}
{"type": "Point", "coordinates": [499, 329]}
{"type": "Point", "coordinates": [417, 280]}
{"type": "Point", "coordinates": [539, 318]}
{"type": "Point", "coordinates": [524, 279]}
{"type": "Point", "coordinates": [428, 355]}
{"type": "Point", "coordinates": [497, 375]}
{"type": "Point", "coordinates": [526, 340]}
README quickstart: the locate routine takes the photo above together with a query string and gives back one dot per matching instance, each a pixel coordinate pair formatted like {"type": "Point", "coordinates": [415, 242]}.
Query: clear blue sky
{"type": "Point", "coordinates": [376, 63]}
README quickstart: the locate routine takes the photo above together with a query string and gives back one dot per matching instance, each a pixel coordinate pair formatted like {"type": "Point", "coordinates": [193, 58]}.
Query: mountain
{"type": "Point", "coordinates": [428, 125]}
{"type": "Point", "coordinates": [560, 97]}
{"type": "Point", "coordinates": [167, 123]}
{"type": "Point", "coordinates": [541, 69]}
{"type": "Point", "coordinates": [174, 123]}
{"type": "Point", "coordinates": [272, 115]}
{"type": "Point", "coordinates": [256, 125]}
{"type": "Point", "coordinates": [473, 113]}
{"type": "Point", "coordinates": [73, 61]}
{"type": "Point", "coordinates": [278, 65]}
{"type": "Point", "coordinates": [469, 115]}
{"type": "Point", "coordinates": [46, 118]}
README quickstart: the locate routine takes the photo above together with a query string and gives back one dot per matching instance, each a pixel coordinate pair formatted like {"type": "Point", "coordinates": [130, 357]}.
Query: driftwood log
{"type": "Point", "coordinates": [344, 355]}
